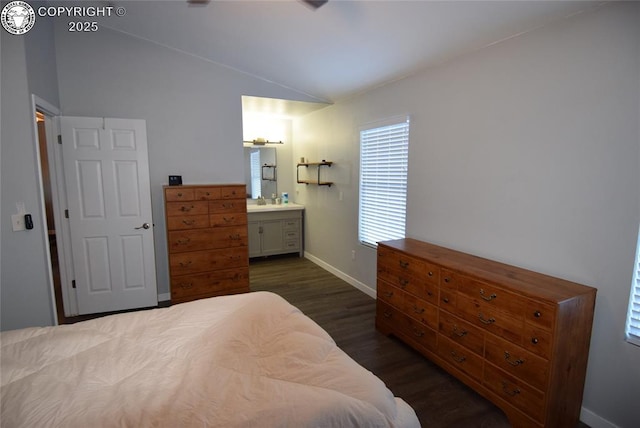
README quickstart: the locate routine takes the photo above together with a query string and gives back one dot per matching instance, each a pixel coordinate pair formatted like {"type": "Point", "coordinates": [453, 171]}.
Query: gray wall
{"type": "Point", "coordinates": [28, 67]}
{"type": "Point", "coordinates": [526, 152]}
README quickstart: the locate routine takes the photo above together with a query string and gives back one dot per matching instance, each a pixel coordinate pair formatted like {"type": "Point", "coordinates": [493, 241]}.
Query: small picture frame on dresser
{"type": "Point", "coordinates": [175, 180]}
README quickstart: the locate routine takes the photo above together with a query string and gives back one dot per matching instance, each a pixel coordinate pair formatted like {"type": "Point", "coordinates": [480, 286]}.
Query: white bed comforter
{"type": "Point", "coordinates": [248, 360]}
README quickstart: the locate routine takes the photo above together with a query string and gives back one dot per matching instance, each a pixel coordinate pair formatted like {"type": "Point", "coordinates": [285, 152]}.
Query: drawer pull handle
{"type": "Point", "coordinates": [534, 340]}
{"type": "Point", "coordinates": [446, 300]}
{"type": "Point", "coordinates": [235, 237]}
{"type": "Point", "coordinates": [446, 279]}
{"type": "Point", "coordinates": [186, 209]}
{"type": "Point", "coordinates": [188, 222]}
{"type": "Point", "coordinates": [417, 310]}
{"type": "Point", "coordinates": [537, 314]}
{"type": "Point", "coordinates": [459, 333]}
{"type": "Point", "coordinates": [510, 392]}
{"type": "Point", "coordinates": [489, 298]}
{"type": "Point", "coordinates": [404, 265]}
{"type": "Point", "coordinates": [186, 285]}
{"type": "Point", "coordinates": [185, 264]}
{"type": "Point", "coordinates": [183, 241]}
{"type": "Point", "coordinates": [387, 314]}
{"type": "Point", "coordinates": [485, 321]}
{"type": "Point", "coordinates": [430, 274]}
{"type": "Point", "coordinates": [507, 358]}
{"type": "Point", "coordinates": [429, 293]}
{"type": "Point", "coordinates": [417, 333]}
{"type": "Point", "coordinates": [228, 220]}
{"type": "Point", "coordinates": [458, 358]}
{"type": "Point", "coordinates": [403, 282]}
{"type": "Point", "coordinates": [179, 195]}
{"type": "Point", "coordinates": [388, 294]}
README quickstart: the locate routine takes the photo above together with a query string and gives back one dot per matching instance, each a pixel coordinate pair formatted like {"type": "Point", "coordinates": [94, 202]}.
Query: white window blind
{"type": "Point", "coordinates": [633, 320]}
{"type": "Point", "coordinates": [384, 155]}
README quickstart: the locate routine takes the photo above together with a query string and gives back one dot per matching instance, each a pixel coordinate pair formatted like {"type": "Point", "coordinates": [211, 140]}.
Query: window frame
{"type": "Point", "coordinates": [632, 321]}
{"type": "Point", "coordinates": [367, 235]}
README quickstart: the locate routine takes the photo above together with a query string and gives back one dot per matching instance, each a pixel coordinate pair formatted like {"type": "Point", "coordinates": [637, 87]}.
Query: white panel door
{"type": "Point", "coordinates": [109, 201]}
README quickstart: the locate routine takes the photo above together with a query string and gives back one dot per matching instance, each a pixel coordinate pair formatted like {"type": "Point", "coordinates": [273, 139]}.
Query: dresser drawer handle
{"type": "Point", "coordinates": [183, 241]}
{"type": "Point", "coordinates": [186, 209]}
{"type": "Point", "coordinates": [186, 285]}
{"type": "Point", "coordinates": [514, 363]}
{"type": "Point", "coordinates": [537, 314]}
{"type": "Point", "coordinates": [179, 195]}
{"type": "Point", "coordinates": [510, 392]}
{"type": "Point", "coordinates": [403, 282]}
{"type": "Point", "coordinates": [459, 333]}
{"type": "Point", "coordinates": [185, 264]}
{"type": "Point", "coordinates": [430, 273]}
{"type": "Point", "coordinates": [458, 358]}
{"type": "Point", "coordinates": [534, 340]}
{"type": "Point", "coordinates": [228, 206]}
{"type": "Point", "coordinates": [235, 237]}
{"type": "Point", "coordinates": [485, 321]}
{"type": "Point", "coordinates": [417, 333]}
{"type": "Point", "coordinates": [188, 222]}
{"type": "Point", "coordinates": [387, 314]}
{"type": "Point", "coordinates": [417, 310]}
{"type": "Point", "coordinates": [388, 294]}
{"type": "Point", "coordinates": [228, 220]}
{"type": "Point", "coordinates": [404, 265]}
{"type": "Point", "coordinates": [446, 280]}
{"type": "Point", "coordinates": [429, 293]}
{"type": "Point", "coordinates": [489, 298]}
{"type": "Point", "coordinates": [446, 300]}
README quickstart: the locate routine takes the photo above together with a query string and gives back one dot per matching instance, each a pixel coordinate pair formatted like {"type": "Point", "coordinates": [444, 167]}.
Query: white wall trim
{"type": "Point", "coordinates": [595, 421]}
{"type": "Point", "coordinates": [343, 276]}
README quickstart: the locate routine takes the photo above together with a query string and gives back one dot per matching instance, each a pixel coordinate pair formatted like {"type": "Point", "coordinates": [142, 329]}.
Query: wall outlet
{"type": "Point", "coordinates": [17, 221]}
{"type": "Point", "coordinates": [353, 254]}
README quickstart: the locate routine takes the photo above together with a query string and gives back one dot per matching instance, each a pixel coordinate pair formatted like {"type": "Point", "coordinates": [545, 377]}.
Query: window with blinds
{"type": "Point", "coordinates": [633, 319]}
{"type": "Point", "coordinates": [384, 155]}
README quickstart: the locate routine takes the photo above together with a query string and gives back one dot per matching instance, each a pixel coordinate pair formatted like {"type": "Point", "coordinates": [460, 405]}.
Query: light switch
{"type": "Point", "coordinates": [17, 220]}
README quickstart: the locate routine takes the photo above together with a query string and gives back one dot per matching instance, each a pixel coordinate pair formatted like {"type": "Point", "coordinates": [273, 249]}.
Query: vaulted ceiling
{"type": "Point", "coordinates": [342, 48]}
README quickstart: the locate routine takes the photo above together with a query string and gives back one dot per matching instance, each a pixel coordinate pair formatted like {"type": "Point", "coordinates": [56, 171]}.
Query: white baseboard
{"type": "Point", "coordinates": [595, 421]}
{"type": "Point", "coordinates": [343, 276]}
{"type": "Point", "coordinates": [164, 297]}
{"type": "Point", "coordinates": [586, 416]}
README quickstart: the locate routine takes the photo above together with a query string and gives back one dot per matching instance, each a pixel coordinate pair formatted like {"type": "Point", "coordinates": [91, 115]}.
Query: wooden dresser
{"type": "Point", "coordinates": [207, 240]}
{"type": "Point", "coordinates": [519, 338]}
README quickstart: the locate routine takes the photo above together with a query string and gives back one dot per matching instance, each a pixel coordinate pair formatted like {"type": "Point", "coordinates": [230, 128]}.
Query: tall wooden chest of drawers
{"type": "Point", "coordinates": [207, 240]}
{"type": "Point", "coordinates": [519, 338]}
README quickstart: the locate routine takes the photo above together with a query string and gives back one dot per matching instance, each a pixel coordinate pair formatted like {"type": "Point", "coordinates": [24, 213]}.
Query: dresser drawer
{"type": "Point", "coordinates": [202, 261]}
{"type": "Point", "coordinates": [228, 206]}
{"type": "Point", "coordinates": [537, 341]}
{"type": "Point", "coordinates": [187, 208]}
{"type": "Point", "coordinates": [408, 283]}
{"type": "Point", "coordinates": [515, 392]}
{"type": "Point", "coordinates": [180, 222]}
{"type": "Point", "coordinates": [390, 316]}
{"type": "Point", "coordinates": [462, 332]}
{"type": "Point", "coordinates": [204, 283]}
{"type": "Point", "coordinates": [500, 323]}
{"type": "Point", "coordinates": [292, 244]}
{"type": "Point", "coordinates": [178, 194]}
{"type": "Point", "coordinates": [233, 192]}
{"type": "Point", "coordinates": [421, 310]}
{"type": "Point", "coordinates": [491, 295]}
{"type": "Point", "coordinates": [396, 264]}
{"type": "Point", "coordinates": [460, 357]}
{"type": "Point", "coordinates": [192, 240]}
{"type": "Point", "coordinates": [227, 219]}
{"type": "Point", "coordinates": [517, 361]}
{"type": "Point", "coordinates": [540, 314]}
{"type": "Point", "coordinates": [390, 294]}
{"type": "Point", "coordinates": [420, 334]}
{"type": "Point", "coordinates": [207, 193]}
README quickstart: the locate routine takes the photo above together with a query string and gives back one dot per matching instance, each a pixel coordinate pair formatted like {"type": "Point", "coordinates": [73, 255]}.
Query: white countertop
{"type": "Point", "coordinates": [255, 208]}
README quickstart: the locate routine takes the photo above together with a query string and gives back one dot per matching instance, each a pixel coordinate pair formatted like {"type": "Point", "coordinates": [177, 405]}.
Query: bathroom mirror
{"type": "Point", "coordinates": [260, 171]}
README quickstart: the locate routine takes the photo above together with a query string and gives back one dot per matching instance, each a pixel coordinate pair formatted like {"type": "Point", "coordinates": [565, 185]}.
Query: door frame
{"type": "Point", "coordinates": [58, 198]}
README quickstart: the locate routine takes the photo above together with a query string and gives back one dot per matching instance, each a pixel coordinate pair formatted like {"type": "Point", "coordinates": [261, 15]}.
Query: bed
{"type": "Point", "coordinates": [250, 360]}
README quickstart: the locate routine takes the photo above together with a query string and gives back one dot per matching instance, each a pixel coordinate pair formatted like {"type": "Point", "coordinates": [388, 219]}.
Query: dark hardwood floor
{"type": "Point", "coordinates": [348, 315]}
